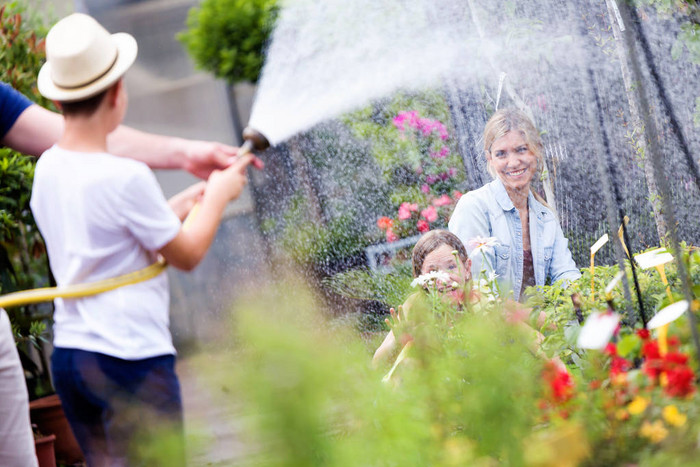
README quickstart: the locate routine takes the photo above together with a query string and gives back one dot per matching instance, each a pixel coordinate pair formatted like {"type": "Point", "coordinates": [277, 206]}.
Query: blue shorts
{"type": "Point", "coordinates": [117, 407]}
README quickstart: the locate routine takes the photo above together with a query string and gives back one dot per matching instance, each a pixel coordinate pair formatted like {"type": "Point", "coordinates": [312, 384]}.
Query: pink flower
{"type": "Point", "coordinates": [431, 179]}
{"type": "Point", "coordinates": [456, 194]}
{"type": "Point", "coordinates": [422, 226]}
{"type": "Point", "coordinates": [425, 188]}
{"type": "Point", "coordinates": [403, 118]}
{"type": "Point", "coordinates": [405, 210]}
{"type": "Point", "coordinates": [444, 151]}
{"type": "Point", "coordinates": [430, 213]}
{"type": "Point", "coordinates": [443, 200]}
{"type": "Point", "coordinates": [391, 236]}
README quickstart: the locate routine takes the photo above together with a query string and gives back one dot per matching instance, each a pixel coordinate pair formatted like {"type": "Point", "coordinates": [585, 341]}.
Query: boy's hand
{"type": "Point", "coordinates": [183, 202]}
{"type": "Point", "coordinates": [230, 181]}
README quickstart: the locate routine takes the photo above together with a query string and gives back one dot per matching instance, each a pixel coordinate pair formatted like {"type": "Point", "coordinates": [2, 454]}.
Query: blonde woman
{"type": "Point", "coordinates": [530, 248]}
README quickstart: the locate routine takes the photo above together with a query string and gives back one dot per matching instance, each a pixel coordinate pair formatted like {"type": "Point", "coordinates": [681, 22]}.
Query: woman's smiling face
{"type": "Point", "coordinates": [513, 162]}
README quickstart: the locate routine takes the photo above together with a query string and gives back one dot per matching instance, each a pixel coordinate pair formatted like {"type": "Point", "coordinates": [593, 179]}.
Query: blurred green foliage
{"type": "Point", "coordinates": [473, 388]}
{"type": "Point", "coordinates": [23, 261]}
{"type": "Point", "coordinates": [465, 396]}
{"type": "Point", "coordinates": [228, 37]}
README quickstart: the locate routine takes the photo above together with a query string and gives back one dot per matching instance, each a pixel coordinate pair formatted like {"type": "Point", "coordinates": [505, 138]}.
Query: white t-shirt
{"type": "Point", "coordinates": [102, 216]}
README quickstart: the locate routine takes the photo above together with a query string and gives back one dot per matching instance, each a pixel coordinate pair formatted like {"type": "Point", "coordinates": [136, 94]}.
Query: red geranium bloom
{"type": "Point", "coordinates": [423, 226]}
{"type": "Point", "coordinates": [650, 350]}
{"type": "Point", "coordinates": [643, 333]}
{"type": "Point", "coordinates": [618, 365]}
{"type": "Point", "coordinates": [680, 382]}
{"type": "Point", "coordinates": [675, 358]}
{"type": "Point", "coordinates": [385, 223]}
{"type": "Point", "coordinates": [611, 349]}
{"type": "Point", "coordinates": [560, 383]}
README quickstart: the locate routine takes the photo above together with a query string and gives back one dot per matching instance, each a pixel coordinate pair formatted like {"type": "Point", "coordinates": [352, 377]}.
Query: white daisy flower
{"type": "Point", "coordinates": [481, 244]}
{"type": "Point", "coordinates": [432, 278]}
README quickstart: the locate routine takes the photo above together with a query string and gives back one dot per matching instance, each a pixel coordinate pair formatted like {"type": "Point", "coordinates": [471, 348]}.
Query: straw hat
{"type": "Point", "coordinates": [83, 59]}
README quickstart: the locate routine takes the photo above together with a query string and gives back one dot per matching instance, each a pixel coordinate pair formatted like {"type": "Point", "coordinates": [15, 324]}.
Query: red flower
{"type": "Point", "coordinates": [675, 358]}
{"type": "Point", "coordinates": [650, 350]}
{"type": "Point", "coordinates": [385, 223]}
{"type": "Point", "coordinates": [680, 382]}
{"type": "Point", "coordinates": [423, 226]}
{"type": "Point", "coordinates": [673, 341]}
{"type": "Point", "coordinates": [456, 194]}
{"type": "Point", "coordinates": [618, 365]}
{"type": "Point", "coordinates": [560, 383]}
{"type": "Point", "coordinates": [611, 349]}
{"type": "Point", "coordinates": [391, 236]}
{"type": "Point", "coordinates": [643, 333]}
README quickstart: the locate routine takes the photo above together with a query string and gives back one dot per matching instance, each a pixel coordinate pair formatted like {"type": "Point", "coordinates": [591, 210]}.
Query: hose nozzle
{"type": "Point", "coordinates": [253, 140]}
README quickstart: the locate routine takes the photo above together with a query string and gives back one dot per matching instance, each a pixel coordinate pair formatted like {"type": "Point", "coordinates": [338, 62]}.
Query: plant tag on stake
{"type": "Point", "coordinates": [599, 244]}
{"type": "Point", "coordinates": [668, 314]}
{"type": "Point", "coordinates": [653, 258]}
{"type": "Point", "coordinates": [598, 330]}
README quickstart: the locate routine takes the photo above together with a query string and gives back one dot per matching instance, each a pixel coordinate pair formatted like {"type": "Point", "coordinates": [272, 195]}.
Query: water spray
{"type": "Point", "coordinates": [253, 140]}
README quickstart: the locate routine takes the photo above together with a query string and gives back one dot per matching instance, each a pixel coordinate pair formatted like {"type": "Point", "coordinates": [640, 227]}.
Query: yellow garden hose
{"type": "Point", "coordinates": [25, 297]}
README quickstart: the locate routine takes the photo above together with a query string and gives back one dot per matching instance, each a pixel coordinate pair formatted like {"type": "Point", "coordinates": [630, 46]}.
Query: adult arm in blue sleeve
{"type": "Point", "coordinates": [562, 265]}
{"type": "Point", "coordinates": [469, 220]}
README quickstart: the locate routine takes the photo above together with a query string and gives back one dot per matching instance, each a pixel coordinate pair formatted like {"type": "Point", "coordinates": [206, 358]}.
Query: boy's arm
{"type": "Point", "coordinates": [37, 129]}
{"type": "Point", "coordinates": [190, 245]}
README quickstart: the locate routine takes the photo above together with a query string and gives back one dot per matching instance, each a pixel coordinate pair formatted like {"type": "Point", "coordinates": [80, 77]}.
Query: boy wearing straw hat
{"type": "Point", "coordinates": [103, 216]}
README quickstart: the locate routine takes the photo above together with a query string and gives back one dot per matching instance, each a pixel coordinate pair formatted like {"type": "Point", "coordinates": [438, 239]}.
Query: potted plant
{"type": "Point", "coordinates": [44, 446]}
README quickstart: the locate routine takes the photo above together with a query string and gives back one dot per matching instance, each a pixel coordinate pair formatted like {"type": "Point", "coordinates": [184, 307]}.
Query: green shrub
{"type": "Point", "coordinates": [23, 261]}
{"type": "Point", "coordinates": [227, 37]}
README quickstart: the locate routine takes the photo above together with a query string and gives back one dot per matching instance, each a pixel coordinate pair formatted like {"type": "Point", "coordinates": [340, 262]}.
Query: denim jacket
{"type": "Point", "coordinates": [489, 212]}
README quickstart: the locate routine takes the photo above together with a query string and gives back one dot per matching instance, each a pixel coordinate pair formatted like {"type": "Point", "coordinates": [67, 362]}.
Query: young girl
{"type": "Point", "coordinates": [434, 252]}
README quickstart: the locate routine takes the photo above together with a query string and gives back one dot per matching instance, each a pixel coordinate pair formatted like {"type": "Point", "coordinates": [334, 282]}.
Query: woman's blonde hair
{"type": "Point", "coordinates": [433, 240]}
{"type": "Point", "coordinates": [511, 119]}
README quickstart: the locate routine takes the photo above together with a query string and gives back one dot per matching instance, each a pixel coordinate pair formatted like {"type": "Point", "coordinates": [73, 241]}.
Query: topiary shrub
{"type": "Point", "coordinates": [227, 37]}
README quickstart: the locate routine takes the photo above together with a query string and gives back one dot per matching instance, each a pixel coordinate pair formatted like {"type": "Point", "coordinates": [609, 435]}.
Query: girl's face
{"type": "Point", "coordinates": [442, 259]}
{"type": "Point", "coordinates": [513, 161]}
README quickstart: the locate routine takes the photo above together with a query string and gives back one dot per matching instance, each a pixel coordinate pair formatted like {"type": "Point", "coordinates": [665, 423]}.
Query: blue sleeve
{"type": "Point", "coordinates": [562, 265]}
{"type": "Point", "coordinates": [12, 104]}
{"type": "Point", "coordinates": [470, 220]}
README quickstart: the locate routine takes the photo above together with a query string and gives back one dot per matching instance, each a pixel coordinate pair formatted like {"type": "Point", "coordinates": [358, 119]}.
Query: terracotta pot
{"type": "Point", "coordinates": [47, 414]}
{"type": "Point", "coordinates": [45, 451]}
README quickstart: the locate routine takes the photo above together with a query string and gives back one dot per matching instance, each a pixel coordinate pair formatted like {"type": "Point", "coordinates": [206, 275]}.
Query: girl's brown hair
{"type": "Point", "coordinates": [433, 240]}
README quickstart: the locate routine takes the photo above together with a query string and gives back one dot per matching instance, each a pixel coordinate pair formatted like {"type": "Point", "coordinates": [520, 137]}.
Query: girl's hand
{"type": "Point", "coordinates": [397, 324]}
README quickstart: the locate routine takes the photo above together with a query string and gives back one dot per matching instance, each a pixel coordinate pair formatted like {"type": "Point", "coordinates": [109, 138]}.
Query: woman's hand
{"type": "Point", "coordinates": [202, 158]}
